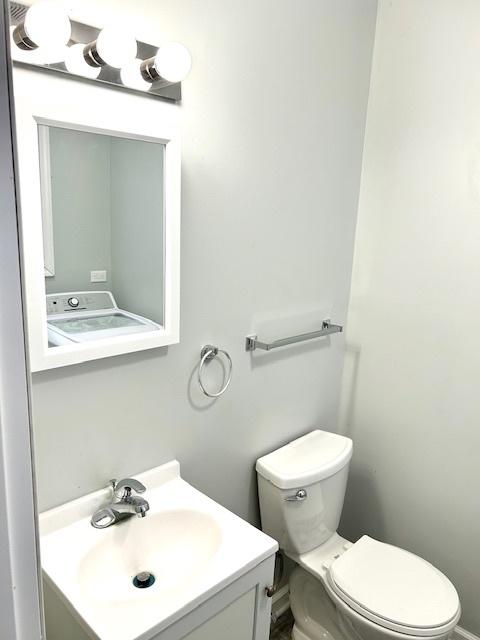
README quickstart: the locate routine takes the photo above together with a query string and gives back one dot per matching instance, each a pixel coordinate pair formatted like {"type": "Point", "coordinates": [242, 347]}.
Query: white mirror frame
{"type": "Point", "coordinates": [120, 115]}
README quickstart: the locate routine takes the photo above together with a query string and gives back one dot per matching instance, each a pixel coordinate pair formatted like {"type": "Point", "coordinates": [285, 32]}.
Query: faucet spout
{"type": "Point", "coordinates": [123, 505]}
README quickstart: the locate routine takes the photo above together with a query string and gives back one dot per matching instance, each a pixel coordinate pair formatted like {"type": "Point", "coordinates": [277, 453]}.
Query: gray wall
{"type": "Point", "coordinates": [80, 179]}
{"type": "Point", "coordinates": [137, 226]}
{"type": "Point", "coordinates": [274, 113]}
{"type": "Point", "coordinates": [411, 397]}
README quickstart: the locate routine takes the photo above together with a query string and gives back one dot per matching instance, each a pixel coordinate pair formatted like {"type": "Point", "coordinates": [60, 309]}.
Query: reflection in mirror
{"type": "Point", "coordinates": [103, 234]}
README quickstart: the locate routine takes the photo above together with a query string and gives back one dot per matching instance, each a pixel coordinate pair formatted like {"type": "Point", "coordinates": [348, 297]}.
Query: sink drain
{"type": "Point", "coordinates": [143, 580]}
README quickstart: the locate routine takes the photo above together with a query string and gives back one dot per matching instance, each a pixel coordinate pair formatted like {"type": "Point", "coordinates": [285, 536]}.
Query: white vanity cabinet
{"type": "Point", "coordinates": [240, 611]}
{"type": "Point", "coordinates": [210, 568]}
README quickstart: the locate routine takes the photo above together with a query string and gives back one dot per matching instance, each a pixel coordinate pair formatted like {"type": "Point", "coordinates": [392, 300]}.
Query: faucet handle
{"type": "Point", "coordinates": [124, 488]}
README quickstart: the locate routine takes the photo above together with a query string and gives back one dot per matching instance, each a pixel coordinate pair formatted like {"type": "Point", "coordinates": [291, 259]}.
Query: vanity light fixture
{"type": "Point", "coordinates": [45, 25]}
{"type": "Point", "coordinates": [43, 36]}
{"type": "Point", "coordinates": [171, 64]}
{"type": "Point", "coordinates": [114, 46]}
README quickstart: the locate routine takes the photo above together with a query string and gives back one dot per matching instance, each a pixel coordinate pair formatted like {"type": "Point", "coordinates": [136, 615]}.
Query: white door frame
{"type": "Point", "coordinates": [21, 614]}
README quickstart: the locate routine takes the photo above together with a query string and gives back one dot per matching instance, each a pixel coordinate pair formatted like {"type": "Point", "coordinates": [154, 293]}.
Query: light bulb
{"type": "Point", "coordinates": [114, 46]}
{"type": "Point", "coordinates": [131, 76]}
{"type": "Point", "coordinates": [76, 63]}
{"type": "Point", "coordinates": [46, 24]}
{"type": "Point", "coordinates": [171, 64]}
{"type": "Point", "coordinates": [41, 55]}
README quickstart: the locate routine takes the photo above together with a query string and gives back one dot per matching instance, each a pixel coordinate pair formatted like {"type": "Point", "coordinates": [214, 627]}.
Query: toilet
{"type": "Point", "coordinates": [367, 590]}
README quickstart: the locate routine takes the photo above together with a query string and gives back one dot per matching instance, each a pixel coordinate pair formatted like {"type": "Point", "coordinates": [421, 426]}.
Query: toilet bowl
{"type": "Point", "coordinates": [367, 590]}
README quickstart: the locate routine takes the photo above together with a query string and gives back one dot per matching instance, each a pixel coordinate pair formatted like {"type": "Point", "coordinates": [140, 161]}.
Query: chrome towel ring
{"type": "Point", "coordinates": [208, 353]}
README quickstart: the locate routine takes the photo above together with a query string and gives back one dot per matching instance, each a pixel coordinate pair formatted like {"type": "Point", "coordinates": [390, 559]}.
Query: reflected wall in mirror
{"type": "Point", "coordinates": [102, 211]}
{"type": "Point", "coordinates": [100, 215]}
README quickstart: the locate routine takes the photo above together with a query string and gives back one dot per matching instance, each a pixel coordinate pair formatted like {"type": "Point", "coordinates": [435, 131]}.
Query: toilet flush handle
{"type": "Point", "coordinates": [297, 497]}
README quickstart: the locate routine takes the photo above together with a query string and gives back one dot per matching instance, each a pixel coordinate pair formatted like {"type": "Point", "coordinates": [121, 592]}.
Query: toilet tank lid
{"type": "Point", "coordinates": [306, 460]}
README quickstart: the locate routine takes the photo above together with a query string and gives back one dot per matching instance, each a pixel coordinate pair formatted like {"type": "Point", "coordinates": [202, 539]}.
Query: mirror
{"type": "Point", "coordinates": [100, 199]}
{"type": "Point", "coordinates": [102, 214]}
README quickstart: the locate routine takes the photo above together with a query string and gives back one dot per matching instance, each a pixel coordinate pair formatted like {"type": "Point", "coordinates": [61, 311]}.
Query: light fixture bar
{"type": "Point", "coordinates": [108, 75]}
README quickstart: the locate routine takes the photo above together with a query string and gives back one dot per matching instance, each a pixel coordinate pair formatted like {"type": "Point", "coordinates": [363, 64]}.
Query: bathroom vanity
{"type": "Point", "coordinates": [210, 569]}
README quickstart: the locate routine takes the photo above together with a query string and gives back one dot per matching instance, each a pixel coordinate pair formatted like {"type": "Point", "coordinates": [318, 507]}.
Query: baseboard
{"type": "Point", "coordinates": [461, 634]}
{"type": "Point", "coordinates": [280, 602]}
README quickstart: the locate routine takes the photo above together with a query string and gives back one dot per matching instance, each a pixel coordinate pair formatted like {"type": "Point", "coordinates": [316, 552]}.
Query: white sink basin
{"type": "Point", "coordinates": [192, 546]}
{"type": "Point", "coordinates": [174, 546]}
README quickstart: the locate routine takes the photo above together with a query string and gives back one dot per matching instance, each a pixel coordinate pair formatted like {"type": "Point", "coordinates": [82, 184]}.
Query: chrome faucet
{"type": "Point", "coordinates": [123, 504]}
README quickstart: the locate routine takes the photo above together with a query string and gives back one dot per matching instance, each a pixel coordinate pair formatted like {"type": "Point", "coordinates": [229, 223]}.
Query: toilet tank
{"type": "Point", "coordinates": [301, 489]}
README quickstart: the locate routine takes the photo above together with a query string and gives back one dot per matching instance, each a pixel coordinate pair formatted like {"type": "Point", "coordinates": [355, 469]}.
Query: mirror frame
{"type": "Point", "coordinates": [126, 120]}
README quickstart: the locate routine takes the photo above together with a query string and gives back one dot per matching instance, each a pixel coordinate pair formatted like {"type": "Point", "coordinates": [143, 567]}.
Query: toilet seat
{"type": "Point", "coordinates": [394, 588]}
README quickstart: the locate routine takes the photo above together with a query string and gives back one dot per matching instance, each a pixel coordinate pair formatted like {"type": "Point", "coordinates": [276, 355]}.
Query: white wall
{"type": "Point", "coordinates": [273, 126]}
{"type": "Point", "coordinates": [411, 396]}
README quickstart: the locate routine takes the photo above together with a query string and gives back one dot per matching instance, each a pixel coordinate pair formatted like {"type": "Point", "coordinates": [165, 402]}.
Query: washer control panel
{"type": "Point", "coordinates": [59, 303]}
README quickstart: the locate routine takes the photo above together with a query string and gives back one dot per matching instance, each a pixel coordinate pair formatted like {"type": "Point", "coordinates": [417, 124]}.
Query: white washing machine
{"type": "Point", "coordinates": [82, 316]}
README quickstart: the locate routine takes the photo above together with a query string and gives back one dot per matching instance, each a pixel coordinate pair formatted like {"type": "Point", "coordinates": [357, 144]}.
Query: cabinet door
{"type": "Point", "coordinates": [240, 611]}
{"type": "Point", "coordinates": [235, 621]}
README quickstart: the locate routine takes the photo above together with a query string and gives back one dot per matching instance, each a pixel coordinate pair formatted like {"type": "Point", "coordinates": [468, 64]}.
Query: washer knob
{"type": "Point", "coordinates": [73, 302]}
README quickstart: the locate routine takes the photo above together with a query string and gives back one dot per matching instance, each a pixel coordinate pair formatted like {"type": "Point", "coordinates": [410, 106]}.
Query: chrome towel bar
{"type": "Point", "coordinates": [253, 343]}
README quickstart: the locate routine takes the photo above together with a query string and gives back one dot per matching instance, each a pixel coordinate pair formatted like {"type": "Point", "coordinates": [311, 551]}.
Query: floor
{"type": "Point", "coordinates": [282, 629]}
